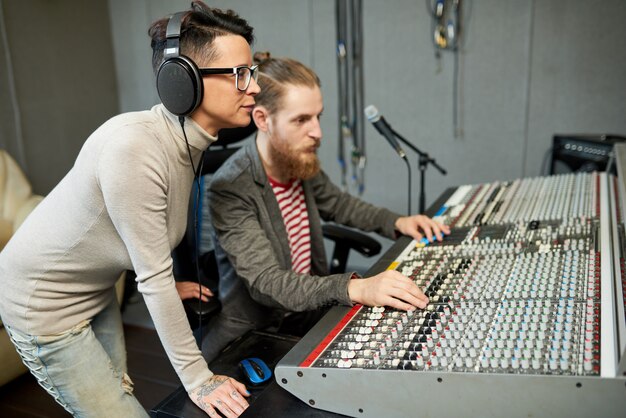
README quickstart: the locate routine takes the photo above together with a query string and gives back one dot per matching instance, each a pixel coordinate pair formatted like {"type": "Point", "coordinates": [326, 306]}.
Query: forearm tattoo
{"type": "Point", "coordinates": [207, 388]}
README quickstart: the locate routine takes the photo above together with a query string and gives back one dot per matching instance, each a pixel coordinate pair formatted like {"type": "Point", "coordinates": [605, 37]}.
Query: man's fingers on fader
{"type": "Point", "coordinates": [428, 232]}
{"type": "Point", "coordinates": [403, 282]}
{"type": "Point", "coordinates": [437, 231]}
{"type": "Point", "coordinates": [403, 295]}
{"type": "Point", "coordinates": [398, 304]}
{"type": "Point", "coordinates": [417, 293]}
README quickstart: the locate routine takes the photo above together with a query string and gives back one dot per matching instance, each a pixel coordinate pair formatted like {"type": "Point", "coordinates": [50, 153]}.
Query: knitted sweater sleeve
{"type": "Point", "coordinates": [133, 175]}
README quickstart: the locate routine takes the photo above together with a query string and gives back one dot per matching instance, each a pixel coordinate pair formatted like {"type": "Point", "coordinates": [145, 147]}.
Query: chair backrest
{"type": "Point", "coordinates": [214, 157]}
{"type": "Point", "coordinates": [184, 255]}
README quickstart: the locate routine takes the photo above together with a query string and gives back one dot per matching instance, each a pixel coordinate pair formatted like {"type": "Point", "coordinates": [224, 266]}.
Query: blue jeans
{"type": "Point", "coordinates": [83, 368]}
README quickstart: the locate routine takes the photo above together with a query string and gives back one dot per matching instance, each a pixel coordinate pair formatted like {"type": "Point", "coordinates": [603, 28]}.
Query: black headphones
{"type": "Point", "coordinates": [179, 83]}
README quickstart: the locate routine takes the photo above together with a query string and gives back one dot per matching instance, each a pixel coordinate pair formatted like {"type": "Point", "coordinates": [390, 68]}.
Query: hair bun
{"type": "Point", "coordinates": [261, 57]}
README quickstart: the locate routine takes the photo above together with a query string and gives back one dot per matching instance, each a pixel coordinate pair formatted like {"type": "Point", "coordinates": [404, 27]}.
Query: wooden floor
{"type": "Point", "coordinates": [148, 367]}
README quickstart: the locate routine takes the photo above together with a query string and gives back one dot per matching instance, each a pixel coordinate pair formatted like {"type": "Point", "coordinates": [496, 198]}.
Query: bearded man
{"type": "Point", "coordinates": [267, 202]}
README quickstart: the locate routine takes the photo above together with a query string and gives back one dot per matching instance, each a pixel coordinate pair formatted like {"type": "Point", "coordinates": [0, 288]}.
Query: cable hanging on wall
{"type": "Point", "coordinates": [348, 19]}
{"type": "Point", "coordinates": [446, 30]}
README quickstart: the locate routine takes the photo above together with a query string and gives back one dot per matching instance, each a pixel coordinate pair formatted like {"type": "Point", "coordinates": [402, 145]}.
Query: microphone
{"type": "Point", "coordinates": [383, 128]}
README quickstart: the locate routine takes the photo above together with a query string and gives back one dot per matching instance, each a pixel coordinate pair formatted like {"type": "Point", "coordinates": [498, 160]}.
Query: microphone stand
{"type": "Point", "coordinates": [424, 160]}
{"type": "Point", "coordinates": [408, 167]}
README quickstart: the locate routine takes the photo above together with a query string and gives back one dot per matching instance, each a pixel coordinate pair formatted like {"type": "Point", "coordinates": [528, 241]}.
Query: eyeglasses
{"type": "Point", "coordinates": [243, 74]}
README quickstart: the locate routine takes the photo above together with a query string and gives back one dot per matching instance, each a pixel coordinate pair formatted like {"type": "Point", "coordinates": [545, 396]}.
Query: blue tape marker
{"type": "Point", "coordinates": [441, 210]}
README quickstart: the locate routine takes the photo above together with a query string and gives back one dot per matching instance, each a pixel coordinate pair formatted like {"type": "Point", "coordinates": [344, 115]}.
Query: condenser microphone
{"type": "Point", "coordinates": [383, 128]}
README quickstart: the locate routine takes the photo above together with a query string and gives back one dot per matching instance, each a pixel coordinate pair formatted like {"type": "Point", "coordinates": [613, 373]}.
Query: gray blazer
{"type": "Point", "coordinates": [257, 284]}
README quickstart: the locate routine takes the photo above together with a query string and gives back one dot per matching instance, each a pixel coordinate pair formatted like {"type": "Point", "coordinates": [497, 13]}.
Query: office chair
{"type": "Point", "coordinates": [184, 255]}
{"type": "Point", "coordinates": [344, 239]}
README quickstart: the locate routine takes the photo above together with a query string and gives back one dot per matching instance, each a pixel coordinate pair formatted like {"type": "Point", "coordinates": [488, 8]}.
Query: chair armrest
{"type": "Point", "coordinates": [345, 240]}
{"type": "Point", "coordinates": [204, 308]}
{"type": "Point", "coordinates": [352, 239]}
{"type": "Point", "coordinates": [201, 312]}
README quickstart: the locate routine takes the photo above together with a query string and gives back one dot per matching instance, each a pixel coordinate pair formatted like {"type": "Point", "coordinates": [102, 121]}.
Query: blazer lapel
{"type": "Point", "coordinates": [275, 218]}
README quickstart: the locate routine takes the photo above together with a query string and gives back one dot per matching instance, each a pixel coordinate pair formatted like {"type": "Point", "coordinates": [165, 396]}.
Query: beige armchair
{"type": "Point", "coordinates": [16, 197]}
{"type": "Point", "coordinates": [16, 202]}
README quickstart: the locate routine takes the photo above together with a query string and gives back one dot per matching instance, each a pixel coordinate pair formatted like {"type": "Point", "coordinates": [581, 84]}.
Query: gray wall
{"type": "Point", "coordinates": [529, 69]}
{"type": "Point", "coordinates": [57, 82]}
{"type": "Point", "coordinates": [577, 72]}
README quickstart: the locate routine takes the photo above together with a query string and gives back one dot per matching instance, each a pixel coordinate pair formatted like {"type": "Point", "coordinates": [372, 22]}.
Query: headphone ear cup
{"type": "Point", "coordinates": [179, 85]}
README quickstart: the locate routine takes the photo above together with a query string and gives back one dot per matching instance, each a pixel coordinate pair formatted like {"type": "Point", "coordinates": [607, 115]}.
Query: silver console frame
{"type": "Point", "coordinates": [399, 393]}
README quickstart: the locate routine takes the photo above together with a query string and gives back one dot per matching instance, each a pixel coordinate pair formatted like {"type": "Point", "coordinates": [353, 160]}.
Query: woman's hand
{"type": "Point", "coordinates": [221, 393]}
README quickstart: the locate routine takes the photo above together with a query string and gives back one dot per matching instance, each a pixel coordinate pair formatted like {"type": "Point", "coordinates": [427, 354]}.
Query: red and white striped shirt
{"type": "Point", "coordinates": [290, 198]}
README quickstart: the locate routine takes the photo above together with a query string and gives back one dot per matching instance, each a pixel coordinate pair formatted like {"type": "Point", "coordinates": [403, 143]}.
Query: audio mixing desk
{"type": "Point", "coordinates": [526, 313]}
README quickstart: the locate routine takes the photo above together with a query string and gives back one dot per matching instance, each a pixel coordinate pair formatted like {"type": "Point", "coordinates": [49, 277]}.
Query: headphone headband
{"type": "Point", "coordinates": [172, 35]}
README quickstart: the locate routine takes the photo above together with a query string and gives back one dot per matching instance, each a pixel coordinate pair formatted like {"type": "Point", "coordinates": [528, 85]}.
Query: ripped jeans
{"type": "Point", "coordinates": [83, 368]}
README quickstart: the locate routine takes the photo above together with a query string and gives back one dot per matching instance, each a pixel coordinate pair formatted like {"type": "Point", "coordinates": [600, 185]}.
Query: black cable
{"type": "Point", "coordinates": [357, 79]}
{"type": "Point", "coordinates": [457, 90]}
{"type": "Point", "coordinates": [344, 129]}
{"type": "Point", "coordinates": [196, 206]}
{"type": "Point", "coordinates": [433, 26]}
{"type": "Point", "coordinates": [455, 44]}
{"type": "Point", "coordinates": [408, 166]}
{"type": "Point", "coordinates": [455, 94]}
{"type": "Point", "coordinates": [544, 170]}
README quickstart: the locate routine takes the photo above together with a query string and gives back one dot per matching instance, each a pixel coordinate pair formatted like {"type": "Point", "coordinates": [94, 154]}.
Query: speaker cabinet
{"type": "Point", "coordinates": [582, 153]}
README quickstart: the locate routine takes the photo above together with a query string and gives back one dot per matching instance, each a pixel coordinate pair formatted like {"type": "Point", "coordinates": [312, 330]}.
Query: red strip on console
{"type": "Point", "coordinates": [330, 337]}
{"type": "Point", "coordinates": [597, 196]}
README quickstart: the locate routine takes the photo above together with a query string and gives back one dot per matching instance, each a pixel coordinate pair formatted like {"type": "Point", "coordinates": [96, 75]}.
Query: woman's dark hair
{"type": "Point", "coordinates": [275, 74]}
{"type": "Point", "coordinates": [199, 28]}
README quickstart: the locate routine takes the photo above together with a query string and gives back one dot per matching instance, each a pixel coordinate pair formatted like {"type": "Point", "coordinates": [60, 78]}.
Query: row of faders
{"type": "Point", "coordinates": [514, 289]}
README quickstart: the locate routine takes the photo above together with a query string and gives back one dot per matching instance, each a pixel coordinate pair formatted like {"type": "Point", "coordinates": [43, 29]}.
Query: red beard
{"type": "Point", "coordinates": [294, 165]}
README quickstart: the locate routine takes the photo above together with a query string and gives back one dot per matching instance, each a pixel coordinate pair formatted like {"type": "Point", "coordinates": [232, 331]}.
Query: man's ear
{"type": "Point", "coordinates": [261, 118]}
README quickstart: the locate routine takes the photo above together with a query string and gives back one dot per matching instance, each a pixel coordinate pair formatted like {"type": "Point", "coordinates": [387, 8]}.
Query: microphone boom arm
{"type": "Point", "coordinates": [423, 155]}
{"type": "Point", "coordinates": [424, 160]}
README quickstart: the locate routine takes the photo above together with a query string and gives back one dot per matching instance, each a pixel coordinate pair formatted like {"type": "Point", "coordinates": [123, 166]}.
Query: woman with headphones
{"type": "Point", "coordinates": [123, 206]}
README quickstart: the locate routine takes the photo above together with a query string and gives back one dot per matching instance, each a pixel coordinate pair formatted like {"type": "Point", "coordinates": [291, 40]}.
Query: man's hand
{"type": "Point", "coordinates": [189, 290]}
{"type": "Point", "coordinates": [389, 288]}
{"type": "Point", "coordinates": [412, 225]}
{"type": "Point", "coordinates": [221, 393]}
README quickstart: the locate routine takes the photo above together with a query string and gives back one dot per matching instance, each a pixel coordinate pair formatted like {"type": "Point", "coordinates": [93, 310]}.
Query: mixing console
{"type": "Point", "coordinates": [523, 287]}
{"type": "Point", "coordinates": [505, 297]}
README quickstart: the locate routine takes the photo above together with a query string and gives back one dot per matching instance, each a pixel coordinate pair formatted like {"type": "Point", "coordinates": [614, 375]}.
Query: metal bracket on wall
{"type": "Point", "coordinates": [446, 36]}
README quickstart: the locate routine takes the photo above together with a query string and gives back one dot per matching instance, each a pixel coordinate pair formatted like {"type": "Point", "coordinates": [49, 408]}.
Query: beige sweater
{"type": "Point", "coordinates": [122, 206]}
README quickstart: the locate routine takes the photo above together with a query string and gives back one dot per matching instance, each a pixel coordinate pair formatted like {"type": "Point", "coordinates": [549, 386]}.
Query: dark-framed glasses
{"type": "Point", "coordinates": [243, 74]}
